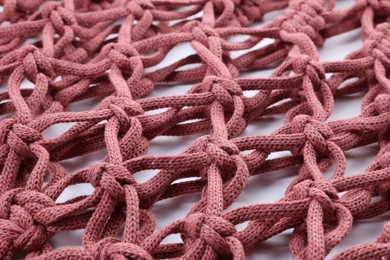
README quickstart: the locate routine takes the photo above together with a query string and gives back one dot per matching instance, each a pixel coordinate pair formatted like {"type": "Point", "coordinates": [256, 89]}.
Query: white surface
{"type": "Point", "coordinates": [267, 187]}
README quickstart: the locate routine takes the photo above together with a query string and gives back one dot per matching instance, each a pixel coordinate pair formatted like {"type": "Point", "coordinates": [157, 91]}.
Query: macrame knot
{"type": "Point", "coordinates": [112, 248]}
{"type": "Point", "coordinates": [123, 108]}
{"type": "Point", "coordinates": [212, 230]}
{"type": "Point", "coordinates": [221, 150]}
{"type": "Point", "coordinates": [377, 45]}
{"type": "Point", "coordinates": [382, 103]}
{"type": "Point", "coordinates": [202, 32]}
{"type": "Point", "coordinates": [316, 132]}
{"type": "Point", "coordinates": [249, 11]}
{"type": "Point", "coordinates": [19, 137]}
{"type": "Point", "coordinates": [223, 89]}
{"type": "Point", "coordinates": [128, 105]}
{"type": "Point", "coordinates": [34, 62]}
{"type": "Point", "coordinates": [304, 64]}
{"type": "Point", "coordinates": [125, 56]}
{"type": "Point", "coordinates": [128, 60]}
{"type": "Point", "coordinates": [304, 17]}
{"type": "Point", "coordinates": [113, 178]}
{"type": "Point", "coordinates": [121, 115]}
{"type": "Point", "coordinates": [59, 16]}
{"type": "Point", "coordinates": [321, 191]}
{"type": "Point", "coordinates": [18, 225]}
{"type": "Point", "coordinates": [139, 7]}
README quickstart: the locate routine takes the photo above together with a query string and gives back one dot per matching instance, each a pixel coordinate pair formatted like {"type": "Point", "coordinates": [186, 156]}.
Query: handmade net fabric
{"type": "Point", "coordinates": [112, 51]}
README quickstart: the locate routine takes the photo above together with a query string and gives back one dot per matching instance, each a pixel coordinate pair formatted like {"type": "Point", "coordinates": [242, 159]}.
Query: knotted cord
{"type": "Point", "coordinates": [114, 51]}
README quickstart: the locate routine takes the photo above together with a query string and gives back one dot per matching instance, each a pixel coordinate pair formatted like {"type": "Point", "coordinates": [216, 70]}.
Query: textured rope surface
{"type": "Point", "coordinates": [80, 49]}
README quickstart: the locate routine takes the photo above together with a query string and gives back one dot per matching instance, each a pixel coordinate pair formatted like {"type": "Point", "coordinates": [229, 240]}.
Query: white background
{"type": "Point", "coordinates": [267, 187]}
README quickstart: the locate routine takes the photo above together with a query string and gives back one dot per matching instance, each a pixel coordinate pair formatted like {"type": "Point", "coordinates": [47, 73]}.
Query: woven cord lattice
{"type": "Point", "coordinates": [74, 50]}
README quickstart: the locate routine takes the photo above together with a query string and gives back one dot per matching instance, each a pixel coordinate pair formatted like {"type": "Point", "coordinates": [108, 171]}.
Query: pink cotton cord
{"type": "Point", "coordinates": [75, 50]}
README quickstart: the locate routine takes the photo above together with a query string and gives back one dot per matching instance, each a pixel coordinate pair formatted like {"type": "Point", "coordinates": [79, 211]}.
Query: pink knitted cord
{"type": "Point", "coordinates": [74, 50]}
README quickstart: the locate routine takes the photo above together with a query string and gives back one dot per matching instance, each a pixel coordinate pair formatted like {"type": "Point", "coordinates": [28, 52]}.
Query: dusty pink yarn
{"type": "Point", "coordinates": [79, 49]}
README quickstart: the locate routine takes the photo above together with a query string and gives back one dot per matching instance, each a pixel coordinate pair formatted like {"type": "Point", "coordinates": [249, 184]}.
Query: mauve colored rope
{"type": "Point", "coordinates": [74, 50]}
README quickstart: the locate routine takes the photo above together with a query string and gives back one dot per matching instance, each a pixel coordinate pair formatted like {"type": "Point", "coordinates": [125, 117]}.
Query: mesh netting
{"type": "Point", "coordinates": [113, 52]}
